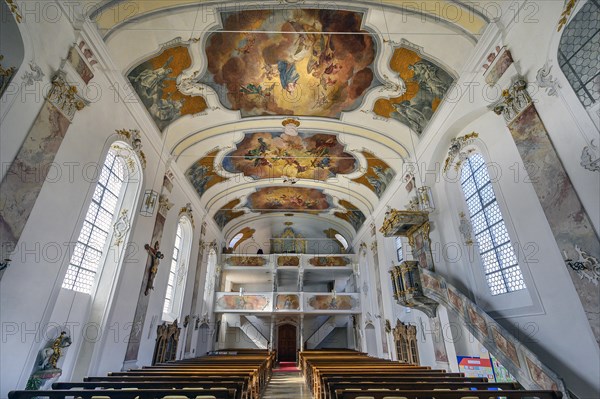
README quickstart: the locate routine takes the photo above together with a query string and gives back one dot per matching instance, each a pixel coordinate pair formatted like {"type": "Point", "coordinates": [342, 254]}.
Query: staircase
{"type": "Point", "coordinates": [253, 333]}
{"type": "Point", "coordinates": [328, 326]}
{"type": "Point", "coordinates": [431, 289]}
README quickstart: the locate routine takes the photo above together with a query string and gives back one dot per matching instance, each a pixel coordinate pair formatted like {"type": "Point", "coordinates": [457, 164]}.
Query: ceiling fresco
{"type": "Point", "coordinates": [202, 175]}
{"type": "Point", "coordinates": [304, 62]}
{"type": "Point", "coordinates": [352, 215]}
{"type": "Point", "coordinates": [304, 155]}
{"type": "Point", "coordinates": [426, 85]}
{"type": "Point", "coordinates": [297, 199]}
{"type": "Point", "coordinates": [155, 82]}
{"type": "Point", "coordinates": [336, 75]}
{"type": "Point", "coordinates": [226, 213]}
{"type": "Point", "coordinates": [378, 175]}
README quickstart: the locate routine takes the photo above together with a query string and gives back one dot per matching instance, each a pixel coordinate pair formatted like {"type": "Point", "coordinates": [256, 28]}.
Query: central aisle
{"type": "Point", "coordinates": [287, 385]}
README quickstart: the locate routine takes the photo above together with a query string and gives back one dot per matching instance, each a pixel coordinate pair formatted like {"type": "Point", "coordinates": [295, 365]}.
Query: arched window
{"type": "Point", "coordinates": [97, 226]}
{"type": "Point", "coordinates": [341, 240]}
{"type": "Point", "coordinates": [500, 264]}
{"type": "Point", "coordinates": [578, 53]}
{"type": "Point", "coordinates": [235, 240]}
{"type": "Point", "coordinates": [178, 271]}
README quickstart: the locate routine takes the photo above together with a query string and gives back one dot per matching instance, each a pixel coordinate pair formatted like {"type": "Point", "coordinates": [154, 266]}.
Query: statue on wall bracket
{"type": "Point", "coordinates": [46, 367]}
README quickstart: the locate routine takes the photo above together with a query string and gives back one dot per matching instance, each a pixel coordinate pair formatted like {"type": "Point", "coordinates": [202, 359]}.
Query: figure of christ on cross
{"type": "Point", "coordinates": [155, 257]}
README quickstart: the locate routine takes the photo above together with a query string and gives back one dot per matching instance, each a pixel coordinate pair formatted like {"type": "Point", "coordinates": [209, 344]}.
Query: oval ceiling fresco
{"type": "Point", "coordinates": [304, 62]}
{"type": "Point", "coordinates": [290, 154]}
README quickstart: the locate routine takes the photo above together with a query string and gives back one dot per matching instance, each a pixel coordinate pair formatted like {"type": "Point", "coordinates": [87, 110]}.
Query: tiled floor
{"type": "Point", "coordinates": [287, 386]}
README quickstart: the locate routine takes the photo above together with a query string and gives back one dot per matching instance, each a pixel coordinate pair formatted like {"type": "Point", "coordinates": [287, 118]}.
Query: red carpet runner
{"type": "Point", "coordinates": [286, 367]}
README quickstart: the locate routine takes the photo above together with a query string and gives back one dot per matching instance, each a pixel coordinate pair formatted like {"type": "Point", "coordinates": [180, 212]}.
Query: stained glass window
{"type": "Point", "coordinates": [399, 253]}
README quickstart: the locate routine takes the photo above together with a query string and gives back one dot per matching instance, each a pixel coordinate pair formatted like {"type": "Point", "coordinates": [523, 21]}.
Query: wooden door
{"type": "Point", "coordinates": [286, 343]}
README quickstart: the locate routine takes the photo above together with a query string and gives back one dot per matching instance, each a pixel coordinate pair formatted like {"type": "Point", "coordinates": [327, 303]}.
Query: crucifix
{"type": "Point", "coordinates": [155, 257]}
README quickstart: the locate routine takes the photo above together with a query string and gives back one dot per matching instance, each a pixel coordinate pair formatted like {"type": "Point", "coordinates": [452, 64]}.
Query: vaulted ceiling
{"type": "Point", "coordinates": [291, 109]}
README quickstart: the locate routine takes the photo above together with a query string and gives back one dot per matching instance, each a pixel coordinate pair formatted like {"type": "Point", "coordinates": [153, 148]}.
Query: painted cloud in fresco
{"type": "Point", "coordinates": [272, 155]}
{"type": "Point", "coordinates": [297, 199]}
{"type": "Point", "coordinates": [290, 62]}
{"type": "Point", "coordinates": [155, 83]}
{"type": "Point", "coordinates": [426, 85]}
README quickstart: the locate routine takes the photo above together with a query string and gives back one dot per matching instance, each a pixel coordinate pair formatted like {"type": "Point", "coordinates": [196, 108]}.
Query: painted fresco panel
{"type": "Point", "coordinates": [287, 302]}
{"type": "Point", "coordinates": [352, 215]}
{"type": "Point", "coordinates": [378, 175]}
{"type": "Point", "coordinates": [297, 199]}
{"type": "Point", "coordinates": [426, 86]}
{"type": "Point", "coordinates": [477, 320]}
{"type": "Point", "coordinates": [324, 261]}
{"type": "Point", "coordinates": [155, 82]}
{"type": "Point", "coordinates": [331, 302]}
{"type": "Point", "coordinates": [506, 346]}
{"type": "Point", "coordinates": [497, 70]}
{"type": "Point", "coordinates": [539, 376]}
{"type": "Point", "coordinates": [275, 154]}
{"type": "Point", "coordinates": [246, 261]}
{"type": "Point", "coordinates": [439, 346]}
{"type": "Point", "coordinates": [226, 214]}
{"type": "Point", "coordinates": [291, 61]}
{"type": "Point", "coordinates": [80, 66]}
{"type": "Point", "coordinates": [568, 219]}
{"type": "Point", "coordinates": [288, 261]}
{"type": "Point", "coordinates": [135, 338]}
{"type": "Point", "coordinates": [242, 302]}
{"type": "Point", "coordinates": [24, 179]}
{"type": "Point", "coordinates": [202, 174]}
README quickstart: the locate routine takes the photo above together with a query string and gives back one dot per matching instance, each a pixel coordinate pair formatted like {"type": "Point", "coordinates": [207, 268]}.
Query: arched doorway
{"type": "Point", "coordinates": [286, 343]}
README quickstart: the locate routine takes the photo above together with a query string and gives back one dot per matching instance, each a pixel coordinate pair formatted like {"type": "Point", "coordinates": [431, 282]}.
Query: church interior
{"type": "Point", "coordinates": [220, 196]}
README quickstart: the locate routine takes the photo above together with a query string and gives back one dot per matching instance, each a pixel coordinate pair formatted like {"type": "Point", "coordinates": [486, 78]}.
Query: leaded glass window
{"type": "Point", "coordinates": [90, 246]}
{"type": "Point", "coordinates": [500, 264]}
{"type": "Point", "coordinates": [579, 53]}
{"type": "Point", "coordinates": [178, 271]}
{"type": "Point", "coordinates": [175, 260]}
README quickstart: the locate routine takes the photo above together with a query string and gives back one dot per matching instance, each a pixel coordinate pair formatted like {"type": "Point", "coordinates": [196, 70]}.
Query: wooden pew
{"type": "Point", "coordinates": [440, 394]}
{"type": "Point", "coordinates": [238, 386]}
{"type": "Point", "coordinates": [361, 379]}
{"type": "Point", "coordinates": [124, 394]}
{"type": "Point", "coordinates": [332, 387]}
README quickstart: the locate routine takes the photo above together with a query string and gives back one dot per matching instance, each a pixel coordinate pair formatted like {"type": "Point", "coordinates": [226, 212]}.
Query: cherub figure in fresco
{"type": "Point", "coordinates": [246, 44]}
{"type": "Point", "coordinates": [270, 72]}
{"type": "Point", "coordinates": [288, 76]}
{"type": "Point", "coordinates": [321, 57]}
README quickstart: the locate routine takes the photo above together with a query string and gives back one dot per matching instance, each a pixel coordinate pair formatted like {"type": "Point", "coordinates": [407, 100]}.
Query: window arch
{"type": "Point", "coordinates": [178, 271]}
{"type": "Point", "coordinates": [341, 240]}
{"type": "Point", "coordinates": [91, 246]}
{"type": "Point", "coordinates": [578, 53]}
{"type": "Point", "coordinates": [235, 240]}
{"type": "Point", "coordinates": [500, 264]}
